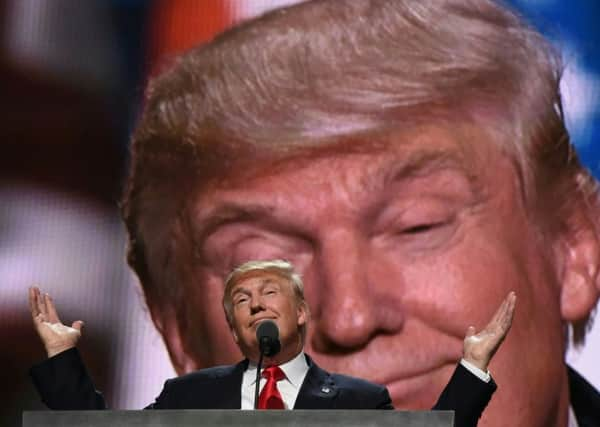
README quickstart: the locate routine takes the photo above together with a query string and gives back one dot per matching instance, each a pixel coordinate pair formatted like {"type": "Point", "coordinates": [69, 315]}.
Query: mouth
{"type": "Point", "coordinates": [418, 390]}
{"type": "Point", "coordinates": [256, 322]}
{"type": "Point", "coordinates": [413, 382]}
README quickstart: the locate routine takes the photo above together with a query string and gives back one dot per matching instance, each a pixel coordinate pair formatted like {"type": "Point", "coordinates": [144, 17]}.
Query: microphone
{"type": "Point", "coordinates": [267, 335]}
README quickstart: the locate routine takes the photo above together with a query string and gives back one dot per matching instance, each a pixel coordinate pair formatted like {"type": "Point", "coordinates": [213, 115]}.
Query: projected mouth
{"type": "Point", "coordinates": [415, 390]}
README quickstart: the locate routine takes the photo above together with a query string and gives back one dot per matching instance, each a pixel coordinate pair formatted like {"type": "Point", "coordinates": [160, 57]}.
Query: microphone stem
{"type": "Point", "coordinates": [257, 388]}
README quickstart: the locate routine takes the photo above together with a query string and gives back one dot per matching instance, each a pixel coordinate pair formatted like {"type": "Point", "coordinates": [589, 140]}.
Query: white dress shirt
{"type": "Point", "coordinates": [483, 376]}
{"type": "Point", "coordinates": [295, 371]}
{"type": "Point", "coordinates": [572, 419]}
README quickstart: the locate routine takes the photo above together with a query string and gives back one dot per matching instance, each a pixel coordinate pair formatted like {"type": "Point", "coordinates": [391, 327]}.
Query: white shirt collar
{"type": "Point", "coordinates": [572, 419]}
{"type": "Point", "coordinates": [295, 370]}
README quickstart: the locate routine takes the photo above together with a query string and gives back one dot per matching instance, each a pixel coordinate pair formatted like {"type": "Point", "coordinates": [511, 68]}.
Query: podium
{"type": "Point", "coordinates": [222, 418]}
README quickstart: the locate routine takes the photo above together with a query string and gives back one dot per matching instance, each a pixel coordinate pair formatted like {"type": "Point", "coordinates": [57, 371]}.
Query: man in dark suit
{"type": "Point", "coordinates": [255, 292]}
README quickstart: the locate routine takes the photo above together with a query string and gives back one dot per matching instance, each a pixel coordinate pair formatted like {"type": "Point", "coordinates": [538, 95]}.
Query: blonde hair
{"type": "Point", "coordinates": [279, 267]}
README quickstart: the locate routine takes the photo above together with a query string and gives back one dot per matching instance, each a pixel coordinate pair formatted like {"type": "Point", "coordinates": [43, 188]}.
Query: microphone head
{"type": "Point", "coordinates": [267, 335]}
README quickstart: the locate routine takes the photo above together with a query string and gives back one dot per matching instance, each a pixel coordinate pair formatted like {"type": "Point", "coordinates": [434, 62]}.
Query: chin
{"type": "Point", "coordinates": [420, 392]}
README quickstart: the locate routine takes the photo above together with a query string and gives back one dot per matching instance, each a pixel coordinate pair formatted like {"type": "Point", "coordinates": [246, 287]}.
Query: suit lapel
{"type": "Point", "coordinates": [318, 391]}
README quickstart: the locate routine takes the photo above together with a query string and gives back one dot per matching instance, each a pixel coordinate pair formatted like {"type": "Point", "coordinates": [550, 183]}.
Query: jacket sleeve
{"type": "Point", "coordinates": [162, 401]}
{"type": "Point", "coordinates": [467, 396]}
{"type": "Point", "coordinates": [64, 383]}
{"type": "Point", "coordinates": [385, 402]}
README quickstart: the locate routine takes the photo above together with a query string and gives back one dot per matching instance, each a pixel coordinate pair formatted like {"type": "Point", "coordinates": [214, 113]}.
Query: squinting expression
{"type": "Point", "coordinates": [260, 296]}
{"type": "Point", "coordinates": [400, 249]}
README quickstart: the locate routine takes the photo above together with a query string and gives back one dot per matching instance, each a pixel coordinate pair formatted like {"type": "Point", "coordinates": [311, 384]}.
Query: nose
{"type": "Point", "coordinates": [352, 299]}
{"type": "Point", "coordinates": [256, 304]}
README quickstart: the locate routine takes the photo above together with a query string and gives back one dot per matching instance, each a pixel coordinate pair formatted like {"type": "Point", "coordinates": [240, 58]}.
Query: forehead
{"type": "Point", "coordinates": [407, 150]}
{"type": "Point", "coordinates": [457, 156]}
{"type": "Point", "coordinates": [257, 279]}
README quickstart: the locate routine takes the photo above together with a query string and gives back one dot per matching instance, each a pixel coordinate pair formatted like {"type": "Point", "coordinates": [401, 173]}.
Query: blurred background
{"type": "Point", "coordinates": [72, 73]}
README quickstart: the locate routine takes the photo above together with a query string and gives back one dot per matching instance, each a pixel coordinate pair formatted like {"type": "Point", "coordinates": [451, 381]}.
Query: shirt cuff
{"type": "Point", "coordinates": [483, 376]}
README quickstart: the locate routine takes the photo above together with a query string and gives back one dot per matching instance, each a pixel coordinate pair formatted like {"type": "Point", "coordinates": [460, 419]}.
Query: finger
{"type": "Point", "coordinates": [506, 321]}
{"type": "Point", "coordinates": [33, 307]}
{"type": "Point", "coordinates": [470, 331]}
{"type": "Point", "coordinates": [510, 311]}
{"type": "Point", "coordinates": [41, 304]}
{"type": "Point", "coordinates": [78, 324]}
{"type": "Point", "coordinates": [501, 312]}
{"type": "Point", "coordinates": [508, 308]}
{"type": "Point", "coordinates": [498, 319]}
{"type": "Point", "coordinates": [51, 309]}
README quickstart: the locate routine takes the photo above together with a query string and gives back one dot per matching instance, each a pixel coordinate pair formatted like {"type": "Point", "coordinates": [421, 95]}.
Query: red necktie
{"type": "Point", "coordinates": [269, 396]}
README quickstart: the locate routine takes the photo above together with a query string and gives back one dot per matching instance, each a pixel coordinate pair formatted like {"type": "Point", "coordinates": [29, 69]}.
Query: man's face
{"type": "Point", "coordinates": [259, 296]}
{"type": "Point", "coordinates": [401, 249]}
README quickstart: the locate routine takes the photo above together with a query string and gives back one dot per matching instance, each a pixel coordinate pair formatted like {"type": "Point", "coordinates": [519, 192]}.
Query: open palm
{"type": "Point", "coordinates": [55, 336]}
{"type": "Point", "coordinates": [479, 348]}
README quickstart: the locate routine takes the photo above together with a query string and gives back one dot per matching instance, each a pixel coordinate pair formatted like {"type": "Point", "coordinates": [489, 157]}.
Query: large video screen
{"type": "Point", "coordinates": [383, 267]}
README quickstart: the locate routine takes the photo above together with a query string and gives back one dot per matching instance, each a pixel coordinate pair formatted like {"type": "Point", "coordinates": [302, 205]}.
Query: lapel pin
{"type": "Point", "coordinates": [325, 389]}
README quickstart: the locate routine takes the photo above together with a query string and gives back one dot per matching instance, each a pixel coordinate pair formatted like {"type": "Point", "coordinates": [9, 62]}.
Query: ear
{"type": "Point", "coordinates": [234, 335]}
{"type": "Point", "coordinates": [302, 313]}
{"type": "Point", "coordinates": [166, 324]}
{"type": "Point", "coordinates": [580, 282]}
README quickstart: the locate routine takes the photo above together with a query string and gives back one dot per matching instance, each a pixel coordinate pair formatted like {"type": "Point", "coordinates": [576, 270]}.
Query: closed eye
{"type": "Point", "coordinates": [421, 228]}
{"type": "Point", "coordinates": [240, 300]}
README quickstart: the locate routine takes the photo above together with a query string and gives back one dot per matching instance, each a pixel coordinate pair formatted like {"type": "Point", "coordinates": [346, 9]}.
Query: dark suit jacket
{"type": "Point", "coordinates": [585, 400]}
{"type": "Point", "coordinates": [63, 383]}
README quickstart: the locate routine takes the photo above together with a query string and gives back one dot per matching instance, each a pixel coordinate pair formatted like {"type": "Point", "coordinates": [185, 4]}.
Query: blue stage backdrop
{"type": "Point", "coordinates": [573, 27]}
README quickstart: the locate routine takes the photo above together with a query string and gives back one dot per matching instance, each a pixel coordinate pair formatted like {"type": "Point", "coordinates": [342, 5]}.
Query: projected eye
{"type": "Point", "coordinates": [234, 244]}
{"type": "Point", "coordinates": [240, 300]}
{"type": "Point", "coordinates": [422, 228]}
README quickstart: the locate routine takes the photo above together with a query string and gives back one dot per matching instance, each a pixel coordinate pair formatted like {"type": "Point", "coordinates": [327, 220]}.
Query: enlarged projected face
{"type": "Point", "coordinates": [401, 248]}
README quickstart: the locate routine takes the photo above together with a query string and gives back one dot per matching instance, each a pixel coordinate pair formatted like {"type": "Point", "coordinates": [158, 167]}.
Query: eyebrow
{"type": "Point", "coordinates": [264, 282]}
{"type": "Point", "coordinates": [229, 213]}
{"type": "Point", "coordinates": [428, 162]}
{"type": "Point", "coordinates": [418, 164]}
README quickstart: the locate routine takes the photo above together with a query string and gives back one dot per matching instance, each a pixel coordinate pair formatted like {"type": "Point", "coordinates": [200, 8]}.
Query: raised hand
{"type": "Point", "coordinates": [479, 348]}
{"type": "Point", "coordinates": [55, 336]}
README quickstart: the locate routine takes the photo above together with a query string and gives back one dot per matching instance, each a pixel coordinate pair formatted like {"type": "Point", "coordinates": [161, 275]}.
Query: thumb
{"type": "Point", "coordinates": [470, 331]}
{"type": "Point", "coordinates": [78, 324]}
